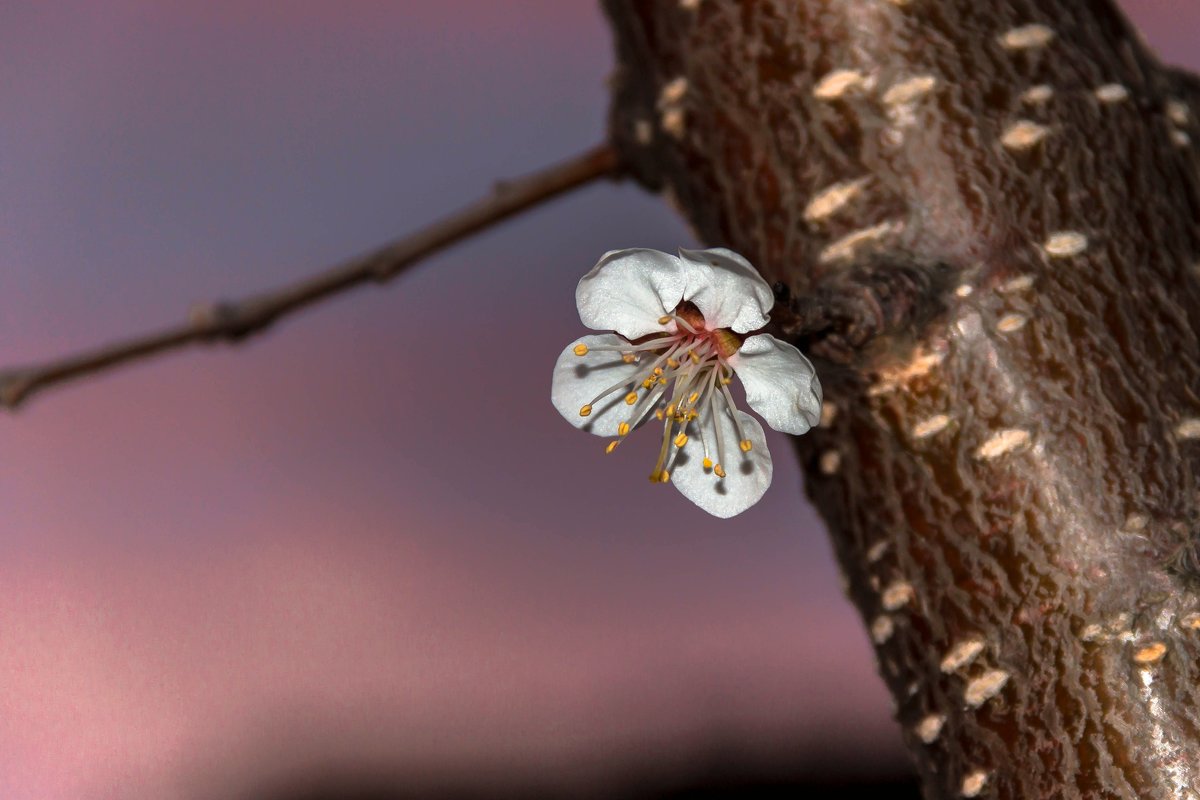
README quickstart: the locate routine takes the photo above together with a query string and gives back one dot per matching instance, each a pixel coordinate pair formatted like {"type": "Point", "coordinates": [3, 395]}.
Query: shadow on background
{"type": "Point", "coordinates": [706, 785]}
{"type": "Point", "coordinates": [732, 773]}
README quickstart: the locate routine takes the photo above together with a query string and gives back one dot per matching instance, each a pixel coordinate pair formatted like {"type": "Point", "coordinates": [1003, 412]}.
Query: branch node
{"type": "Point", "coordinates": [205, 317]}
{"type": "Point", "coordinates": [843, 315]}
{"type": "Point", "coordinates": [14, 387]}
{"type": "Point", "coordinates": [381, 270]}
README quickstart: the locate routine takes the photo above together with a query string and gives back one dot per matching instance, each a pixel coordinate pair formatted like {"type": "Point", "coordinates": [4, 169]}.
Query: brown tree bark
{"type": "Point", "coordinates": [984, 220]}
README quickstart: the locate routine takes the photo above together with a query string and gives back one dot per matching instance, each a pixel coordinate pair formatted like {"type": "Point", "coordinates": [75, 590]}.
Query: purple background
{"type": "Point", "coordinates": [366, 540]}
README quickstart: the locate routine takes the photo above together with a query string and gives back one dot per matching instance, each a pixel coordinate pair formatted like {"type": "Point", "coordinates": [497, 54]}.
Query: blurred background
{"type": "Point", "coordinates": [363, 556]}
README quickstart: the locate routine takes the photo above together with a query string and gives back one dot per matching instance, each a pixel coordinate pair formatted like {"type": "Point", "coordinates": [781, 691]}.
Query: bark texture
{"type": "Point", "coordinates": [984, 220]}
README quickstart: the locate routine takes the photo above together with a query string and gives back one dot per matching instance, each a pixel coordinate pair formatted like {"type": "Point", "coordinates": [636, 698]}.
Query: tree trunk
{"type": "Point", "coordinates": [983, 221]}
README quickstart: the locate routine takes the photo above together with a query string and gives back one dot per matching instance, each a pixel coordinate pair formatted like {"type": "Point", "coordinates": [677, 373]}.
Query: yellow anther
{"type": "Point", "coordinates": [656, 476]}
{"type": "Point", "coordinates": [707, 463]}
{"type": "Point", "coordinates": [745, 445]}
{"type": "Point", "coordinates": [672, 363]}
{"type": "Point", "coordinates": [662, 381]}
{"type": "Point", "coordinates": [719, 470]}
{"type": "Point", "coordinates": [693, 414]}
{"type": "Point", "coordinates": [664, 319]}
{"type": "Point", "coordinates": [695, 358]}
{"type": "Point", "coordinates": [664, 476]}
{"type": "Point", "coordinates": [646, 384]}
{"type": "Point", "coordinates": [623, 429]}
{"type": "Point", "coordinates": [658, 370]}
{"type": "Point", "coordinates": [612, 446]}
{"type": "Point", "coordinates": [681, 440]}
{"type": "Point", "coordinates": [671, 410]}
{"type": "Point", "coordinates": [581, 349]}
{"type": "Point", "coordinates": [726, 381]}
{"type": "Point", "coordinates": [628, 358]}
{"type": "Point", "coordinates": [583, 412]}
{"type": "Point", "coordinates": [693, 397]}
{"type": "Point", "coordinates": [658, 414]}
{"type": "Point", "coordinates": [631, 398]}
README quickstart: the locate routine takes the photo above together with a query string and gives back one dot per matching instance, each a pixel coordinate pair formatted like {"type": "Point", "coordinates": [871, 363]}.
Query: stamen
{"type": "Point", "coordinates": [628, 358]}
{"type": "Point", "coordinates": [587, 409]}
{"type": "Point", "coordinates": [639, 412]}
{"type": "Point", "coordinates": [683, 323]}
{"type": "Point", "coordinates": [655, 343]}
{"type": "Point", "coordinates": [720, 442]}
{"type": "Point", "coordinates": [669, 346]}
{"type": "Point", "coordinates": [623, 429]}
{"type": "Point", "coordinates": [664, 319]}
{"type": "Point", "coordinates": [702, 405]}
{"type": "Point", "coordinates": [743, 442]}
{"type": "Point", "coordinates": [666, 444]}
{"type": "Point", "coordinates": [681, 440]}
{"type": "Point", "coordinates": [612, 446]}
{"type": "Point", "coordinates": [631, 398]}
{"type": "Point", "coordinates": [581, 349]}
{"type": "Point", "coordinates": [618, 385]}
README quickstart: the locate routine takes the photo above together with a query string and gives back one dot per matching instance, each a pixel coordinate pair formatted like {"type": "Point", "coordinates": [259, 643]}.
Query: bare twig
{"type": "Point", "coordinates": [234, 321]}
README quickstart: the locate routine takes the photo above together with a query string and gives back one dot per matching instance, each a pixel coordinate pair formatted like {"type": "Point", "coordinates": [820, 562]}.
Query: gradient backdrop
{"type": "Point", "coordinates": [364, 541]}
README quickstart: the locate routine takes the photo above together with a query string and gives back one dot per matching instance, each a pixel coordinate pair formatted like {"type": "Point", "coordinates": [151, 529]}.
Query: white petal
{"type": "Point", "coordinates": [578, 379]}
{"type": "Point", "coordinates": [747, 475]}
{"type": "Point", "coordinates": [728, 291]}
{"type": "Point", "coordinates": [781, 384]}
{"type": "Point", "coordinates": [628, 291]}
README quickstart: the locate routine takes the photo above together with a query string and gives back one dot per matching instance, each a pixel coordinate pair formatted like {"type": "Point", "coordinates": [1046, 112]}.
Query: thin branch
{"type": "Point", "coordinates": [234, 321]}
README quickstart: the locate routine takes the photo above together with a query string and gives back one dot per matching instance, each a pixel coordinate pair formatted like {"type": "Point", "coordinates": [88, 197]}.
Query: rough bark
{"type": "Point", "coordinates": [983, 218]}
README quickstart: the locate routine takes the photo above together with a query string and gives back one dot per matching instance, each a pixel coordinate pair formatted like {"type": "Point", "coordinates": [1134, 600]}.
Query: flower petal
{"type": "Point", "coordinates": [728, 291]}
{"type": "Point", "coordinates": [578, 379]}
{"type": "Point", "coordinates": [747, 475]}
{"type": "Point", "coordinates": [781, 384]}
{"type": "Point", "coordinates": [628, 291]}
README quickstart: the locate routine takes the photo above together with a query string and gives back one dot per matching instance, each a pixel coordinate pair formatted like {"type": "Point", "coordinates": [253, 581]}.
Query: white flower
{"type": "Point", "coordinates": [682, 330]}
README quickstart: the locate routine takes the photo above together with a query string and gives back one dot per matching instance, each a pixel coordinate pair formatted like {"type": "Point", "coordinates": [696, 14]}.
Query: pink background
{"type": "Point", "coordinates": [366, 540]}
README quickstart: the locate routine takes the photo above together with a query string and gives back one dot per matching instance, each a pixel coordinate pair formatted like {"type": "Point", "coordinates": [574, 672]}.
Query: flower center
{"type": "Point", "coordinates": [684, 377]}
